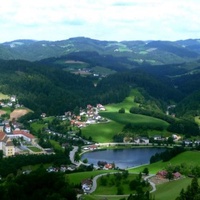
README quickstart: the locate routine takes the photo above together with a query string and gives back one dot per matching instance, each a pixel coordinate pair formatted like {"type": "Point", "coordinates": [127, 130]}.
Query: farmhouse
{"type": "Point", "coordinates": [109, 166]}
{"type": "Point", "coordinates": [163, 174]}
{"type": "Point", "coordinates": [86, 185]}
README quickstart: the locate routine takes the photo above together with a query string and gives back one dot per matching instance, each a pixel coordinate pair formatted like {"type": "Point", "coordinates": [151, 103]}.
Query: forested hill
{"type": "Point", "coordinates": [81, 71]}
{"type": "Point", "coordinates": [152, 52]}
{"type": "Point", "coordinates": [53, 90]}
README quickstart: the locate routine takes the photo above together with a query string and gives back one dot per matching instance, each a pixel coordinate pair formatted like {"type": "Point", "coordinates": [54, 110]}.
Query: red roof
{"type": "Point", "coordinates": [25, 133]}
{"type": "Point", "coordinates": [2, 135]}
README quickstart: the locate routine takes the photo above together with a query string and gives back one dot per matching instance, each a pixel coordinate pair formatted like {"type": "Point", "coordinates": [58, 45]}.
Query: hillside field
{"type": "Point", "coordinates": [3, 96]}
{"type": "Point", "coordinates": [104, 132]}
{"type": "Point", "coordinates": [188, 157]}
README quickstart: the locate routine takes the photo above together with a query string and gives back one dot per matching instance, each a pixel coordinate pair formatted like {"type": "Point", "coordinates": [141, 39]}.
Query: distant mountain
{"type": "Point", "coordinates": [171, 71]}
{"type": "Point", "coordinates": [152, 52]}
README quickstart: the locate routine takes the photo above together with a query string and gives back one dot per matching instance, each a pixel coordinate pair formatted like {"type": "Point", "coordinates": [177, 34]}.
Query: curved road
{"type": "Point", "coordinates": [94, 186]}
{"type": "Point", "coordinates": [72, 154]}
{"type": "Point", "coordinates": [151, 183]}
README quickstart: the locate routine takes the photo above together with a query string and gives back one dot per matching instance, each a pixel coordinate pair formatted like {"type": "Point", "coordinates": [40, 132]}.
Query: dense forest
{"type": "Point", "coordinates": [51, 89]}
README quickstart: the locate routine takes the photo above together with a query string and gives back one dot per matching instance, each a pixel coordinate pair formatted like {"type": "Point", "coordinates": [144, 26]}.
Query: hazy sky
{"type": "Point", "coordinates": [99, 19]}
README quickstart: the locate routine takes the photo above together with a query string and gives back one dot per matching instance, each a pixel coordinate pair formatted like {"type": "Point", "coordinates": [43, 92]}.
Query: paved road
{"type": "Point", "coordinates": [151, 183]}
{"type": "Point", "coordinates": [72, 154]}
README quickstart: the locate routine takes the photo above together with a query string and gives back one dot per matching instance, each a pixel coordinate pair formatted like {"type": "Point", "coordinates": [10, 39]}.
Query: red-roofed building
{"type": "Point", "coordinates": [25, 134]}
{"type": "Point", "coordinates": [162, 174]}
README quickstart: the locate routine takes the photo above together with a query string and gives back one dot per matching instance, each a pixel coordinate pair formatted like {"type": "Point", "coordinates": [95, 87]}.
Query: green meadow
{"type": "Point", "coordinates": [3, 96]}
{"type": "Point", "coordinates": [126, 104]}
{"type": "Point", "coordinates": [34, 149]}
{"type": "Point", "coordinates": [134, 119]}
{"type": "Point", "coordinates": [111, 186]}
{"type": "Point", "coordinates": [188, 157]}
{"type": "Point", "coordinates": [38, 126]}
{"type": "Point", "coordinates": [56, 146]}
{"type": "Point", "coordinates": [171, 189]}
{"type": "Point", "coordinates": [104, 132]}
{"type": "Point", "coordinates": [77, 177]}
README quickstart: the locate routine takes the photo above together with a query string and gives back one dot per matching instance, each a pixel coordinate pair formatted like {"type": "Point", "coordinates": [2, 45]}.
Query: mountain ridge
{"type": "Point", "coordinates": [150, 51]}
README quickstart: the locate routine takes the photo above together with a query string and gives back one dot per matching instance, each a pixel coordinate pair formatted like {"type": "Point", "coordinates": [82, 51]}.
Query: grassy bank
{"type": "Point", "coordinates": [188, 157]}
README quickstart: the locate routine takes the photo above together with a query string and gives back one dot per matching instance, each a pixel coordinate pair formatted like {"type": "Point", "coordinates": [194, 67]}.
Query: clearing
{"type": "Point", "coordinates": [17, 113]}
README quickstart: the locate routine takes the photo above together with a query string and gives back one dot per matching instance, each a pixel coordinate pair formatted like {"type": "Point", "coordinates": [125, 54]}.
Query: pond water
{"type": "Point", "coordinates": [123, 158]}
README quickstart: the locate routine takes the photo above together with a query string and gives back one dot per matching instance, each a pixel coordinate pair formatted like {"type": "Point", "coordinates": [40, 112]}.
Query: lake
{"type": "Point", "coordinates": [123, 158]}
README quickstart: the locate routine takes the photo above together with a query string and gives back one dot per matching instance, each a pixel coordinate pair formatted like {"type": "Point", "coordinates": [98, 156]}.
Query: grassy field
{"type": "Point", "coordinates": [188, 157]}
{"type": "Point", "coordinates": [126, 104]}
{"type": "Point", "coordinates": [134, 119]}
{"type": "Point", "coordinates": [35, 149]}
{"type": "Point", "coordinates": [3, 96]}
{"type": "Point", "coordinates": [111, 187]}
{"type": "Point", "coordinates": [105, 132]}
{"type": "Point", "coordinates": [56, 145]}
{"type": "Point", "coordinates": [8, 110]}
{"type": "Point", "coordinates": [76, 178]}
{"type": "Point", "coordinates": [171, 189]}
{"type": "Point", "coordinates": [102, 132]}
{"type": "Point", "coordinates": [36, 126]}
{"type": "Point", "coordinates": [102, 70]}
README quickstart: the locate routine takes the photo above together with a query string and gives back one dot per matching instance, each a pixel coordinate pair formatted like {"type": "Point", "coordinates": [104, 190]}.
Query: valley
{"type": "Point", "coordinates": [97, 95]}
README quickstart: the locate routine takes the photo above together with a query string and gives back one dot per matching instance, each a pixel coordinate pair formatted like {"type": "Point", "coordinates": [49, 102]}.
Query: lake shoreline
{"type": "Point", "coordinates": [124, 158]}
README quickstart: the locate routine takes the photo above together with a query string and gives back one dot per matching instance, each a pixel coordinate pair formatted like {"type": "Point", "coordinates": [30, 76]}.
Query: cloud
{"type": "Point", "coordinates": [103, 19]}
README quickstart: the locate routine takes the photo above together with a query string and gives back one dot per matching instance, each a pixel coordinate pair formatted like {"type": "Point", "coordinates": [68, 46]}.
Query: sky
{"type": "Point", "coordinates": [99, 19]}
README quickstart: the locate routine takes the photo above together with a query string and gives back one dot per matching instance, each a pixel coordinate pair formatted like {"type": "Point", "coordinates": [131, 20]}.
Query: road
{"type": "Point", "coordinates": [72, 155]}
{"type": "Point", "coordinates": [151, 183]}
{"type": "Point", "coordinates": [94, 186]}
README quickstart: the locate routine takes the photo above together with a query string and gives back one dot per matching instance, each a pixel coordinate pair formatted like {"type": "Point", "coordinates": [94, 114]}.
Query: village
{"type": "Point", "coordinates": [11, 132]}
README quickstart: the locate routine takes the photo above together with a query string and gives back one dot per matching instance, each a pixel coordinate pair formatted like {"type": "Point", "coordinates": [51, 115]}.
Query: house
{"type": "Point", "coordinates": [13, 98]}
{"type": "Point", "coordinates": [71, 167]}
{"type": "Point", "coordinates": [158, 137]}
{"type": "Point", "coordinates": [93, 147]}
{"type": "Point", "coordinates": [144, 140]}
{"type": "Point", "coordinates": [89, 107]}
{"type": "Point", "coordinates": [162, 174]}
{"type": "Point", "coordinates": [6, 145]}
{"type": "Point", "coordinates": [86, 185]}
{"type": "Point", "coordinates": [177, 175]}
{"type": "Point", "coordinates": [137, 140]}
{"type": "Point", "coordinates": [7, 128]}
{"type": "Point", "coordinates": [100, 107]}
{"type": "Point", "coordinates": [43, 115]}
{"type": "Point", "coordinates": [108, 166]}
